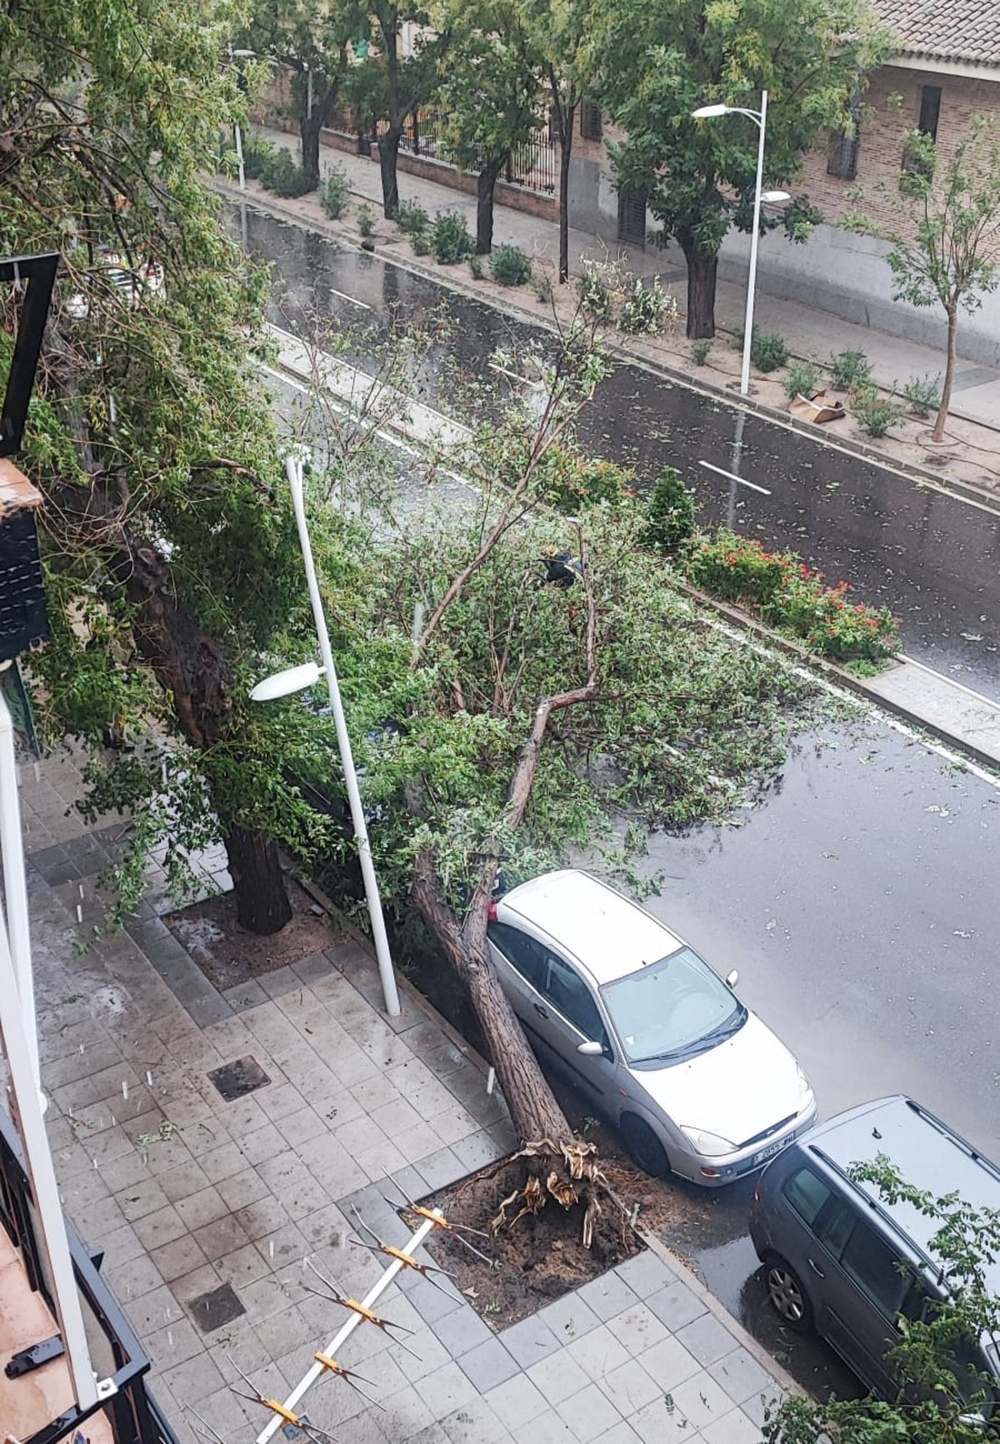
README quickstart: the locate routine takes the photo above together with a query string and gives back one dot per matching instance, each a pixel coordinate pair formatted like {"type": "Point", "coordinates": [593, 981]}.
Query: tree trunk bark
{"type": "Point", "coordinates": [309, 129]}
{"type": "Point", "coordinates": [262, 904]}
{"type": "Point", "coordinates": [533, 1108]}
{"type": "Point", "coordinates": [949, 374]}
{"type": "Point", "coordinates": [485, 186]}
{"type": "Point", "coordinates": [565, 155]}
{"type": "Point", "coordinates": [388, 152]}
{"type": "Point", "coordinates": [191, 666]}
{"type": "Point", "coordinates": [702, 271]}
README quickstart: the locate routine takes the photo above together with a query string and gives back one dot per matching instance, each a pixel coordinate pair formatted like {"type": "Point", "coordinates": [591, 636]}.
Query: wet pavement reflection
{"type": "Point", "coordinates": [929, 556]}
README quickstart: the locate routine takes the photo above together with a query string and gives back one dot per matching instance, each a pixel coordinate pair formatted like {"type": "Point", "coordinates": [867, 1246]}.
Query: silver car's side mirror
{"type": "Point", "coordinates": [590, 1049]}
{"type": "Point", "coordinates": [732, 978]}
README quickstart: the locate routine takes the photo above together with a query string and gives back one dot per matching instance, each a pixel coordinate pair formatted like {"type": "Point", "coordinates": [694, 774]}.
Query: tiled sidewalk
{"type": "Point", "coordinates": [208, 1209]}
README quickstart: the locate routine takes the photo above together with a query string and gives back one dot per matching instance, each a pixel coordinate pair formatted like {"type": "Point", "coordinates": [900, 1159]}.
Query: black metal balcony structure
{"type": "Point", "coordinates": [131, 1411]}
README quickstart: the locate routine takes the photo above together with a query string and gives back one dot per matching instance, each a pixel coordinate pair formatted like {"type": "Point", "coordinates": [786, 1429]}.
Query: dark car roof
{"type": "Point", "coordinates": [927, 1154]}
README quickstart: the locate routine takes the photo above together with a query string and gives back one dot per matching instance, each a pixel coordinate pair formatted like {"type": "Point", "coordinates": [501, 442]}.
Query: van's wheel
{"type": "Point", "coordinates": [787, 1294]}
{"type": "Point", "coordinates": [644, 1146]}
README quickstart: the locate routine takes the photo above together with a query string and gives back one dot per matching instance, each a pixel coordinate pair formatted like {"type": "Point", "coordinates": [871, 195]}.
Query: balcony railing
{"type": "Point", "coordinates": [131, 1412]}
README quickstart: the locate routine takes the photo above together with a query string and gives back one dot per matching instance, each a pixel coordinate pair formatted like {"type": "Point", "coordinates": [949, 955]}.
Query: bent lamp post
{"type": "Point", "coordinates": [759, 117]}
{"type": "Point", "coordinates": [297, 678]}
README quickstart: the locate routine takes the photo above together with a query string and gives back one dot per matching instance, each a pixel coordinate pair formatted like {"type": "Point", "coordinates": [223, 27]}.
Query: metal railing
{"type": "Point", "coordinates": [132, 1413]}
{"type": "Point", "coordinates": [533, 166]}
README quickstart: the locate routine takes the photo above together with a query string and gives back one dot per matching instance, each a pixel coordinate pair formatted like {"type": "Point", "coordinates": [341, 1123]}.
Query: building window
{"type": "Point", "coordinates": [632, 217]}
{"type": "Point", "coordinates": [927, 124]}
{"type": "Point", "coordinates": [930, 109]}
{"type": "Point", "coordinates": [590, 120]}
{"type": "Point", "coordinates": [842, 160]}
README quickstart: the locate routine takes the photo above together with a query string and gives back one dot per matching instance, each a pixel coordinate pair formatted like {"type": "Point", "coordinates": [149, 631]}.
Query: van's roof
{"type": "Point", "coordinates": [607, 935]}
{"type": "Point", "coordinates": [927, 1154]}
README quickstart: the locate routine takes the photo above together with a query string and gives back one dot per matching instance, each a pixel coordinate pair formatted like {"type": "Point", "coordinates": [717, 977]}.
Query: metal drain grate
{"type": "Point", "coordinates": [214, 1309]}
{"type": "Point", "coordinates": [235, 1080]}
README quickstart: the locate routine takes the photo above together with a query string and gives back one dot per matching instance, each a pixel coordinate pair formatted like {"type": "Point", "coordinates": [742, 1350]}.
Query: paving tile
{"type": "Point", "coordinates": [474, 1423]}
{"type": "Point", "coordinates": [669, 1364]}
{"type": "Point", "coordinates": [695, 1404]}
{"type": "Point", "coordinates": [401, 1418]}
{"type": "Point", "coordinates": [630, 1387]}
{"type": "Point", "coordinates": [178, 1258]}
{"type": "Point", "coordinates": [244, 996]}
{"type": "Point", "coordinates": [516, 1401]}
{"type": "Point", "coordinates": [492, 1369]}
{"type": "Point", "coordinates": [316, 965]}
{"type": "Point", "coordinates": [445, 1390]}
{"type": "Point", "coordinates": [222, 1237]}
{"type": "Point", "coordinates": [552, 1429]}
{"type": "Point", "coordinates": [598, 1352]}
{"type": "Point", "coordinates": [623, 1433]}
{"type": "Point", "coordinates": [761, 1407]}
{"type": "Point", "coordinates": [569, 1318]}
{"type": "Point", "coordinates": [588, 1413]}
{"type": "Point", "coordinates": [740, 1375]}
{"type": "Point", "coordinates": [161, 1227]}
{"type": "Point", "coordinates": [201, 1208]}
{"type": "Point", "coordinates": [461, 1330]}
{"type": "Point", "coordinates": [433, 1302]}
{"type": "Point", "coordinates": [530, 1341]}
{"type": "Point", "coordinates": [637, 1328]}
{"type": "Point", "coordinates": [607, 1295]}
{"type": "Point", "coordinates": [558, 1376]}
{"type": "Point", "coordinates": [441, 1168]}
{"type": "Point", "coordinates": [192, 1380]}
{"type": "Point", "coordinates": [706, 1339]}
{"type": "Point", "coordinates": [477, 1150]}
{"type": "Point", "coordinates": [676, 1305]}
{"type": "Point", "coordinates": [646, 1273]}
{"type": "Point", "coordinates": [142, 1199]}
{"type": "Point", "coordinates": [733, 1428]}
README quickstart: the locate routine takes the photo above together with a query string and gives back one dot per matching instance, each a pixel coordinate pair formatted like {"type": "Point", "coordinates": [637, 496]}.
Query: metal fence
{"type": "Point", "coordinates": [534, 166]}
{"type": "Point", "coordinates": [132, 1413]}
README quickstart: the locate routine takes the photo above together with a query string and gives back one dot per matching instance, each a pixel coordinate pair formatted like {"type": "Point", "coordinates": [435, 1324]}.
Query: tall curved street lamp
{"type": "Point", "coordinates": [295, 679]}
{"type": "Point", "coordinates": [759, 117]}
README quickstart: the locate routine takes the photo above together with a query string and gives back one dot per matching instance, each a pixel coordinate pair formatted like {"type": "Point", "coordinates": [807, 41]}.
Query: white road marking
{"type": "Point", "coordinates": [353, 299]}
{"type": "Point", "coordinates": [731, 476]}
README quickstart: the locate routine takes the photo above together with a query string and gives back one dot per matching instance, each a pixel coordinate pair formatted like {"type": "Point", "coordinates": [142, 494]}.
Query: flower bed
{"type": "Point", "coordinates": [792, 598]}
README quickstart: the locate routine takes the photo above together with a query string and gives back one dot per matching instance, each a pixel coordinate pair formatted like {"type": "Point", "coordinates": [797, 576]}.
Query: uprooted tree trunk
{"type": "Point", "coordinates": [558, 1165]}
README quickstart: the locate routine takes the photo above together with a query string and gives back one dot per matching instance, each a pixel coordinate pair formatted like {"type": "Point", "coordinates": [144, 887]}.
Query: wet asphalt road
{"type": "Point", "coordinates": [931, 556]}
{"type": "Point", "coordinates": [858, 904]}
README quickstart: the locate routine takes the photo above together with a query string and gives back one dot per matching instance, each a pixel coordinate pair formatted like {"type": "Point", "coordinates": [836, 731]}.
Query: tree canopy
{"type": "Point", "coordinates": [654, 64]}
{"type": "Point", "coordinates": [943, 230]}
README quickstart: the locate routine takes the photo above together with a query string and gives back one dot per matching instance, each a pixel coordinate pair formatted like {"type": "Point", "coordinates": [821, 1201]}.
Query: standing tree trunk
{"type": "Point", "coordinates": [485, 186]}
{"type": "Point", "coordinates": [190, 665]}
{"type": "Point", "coordinates": [262, 904]}
{"type": "Point", "coordinates": [309, 130]}
{"type": "Point", "coordinates": [951, 308]}
{"type": "Point", "coordinates": [702, 272]}
{"type": "Point", "coordinates": [566, 117]}
{"type": "Point", "coordinates": [388, 154]}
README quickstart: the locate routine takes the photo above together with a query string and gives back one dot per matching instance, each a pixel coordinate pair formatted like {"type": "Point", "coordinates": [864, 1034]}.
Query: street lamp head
{"type": "Point", "coordinates": [710, 112]}
{"type": "Point", "coordinates": [283, 684]}
{"type": "Point", "coordinates": [771, 198]}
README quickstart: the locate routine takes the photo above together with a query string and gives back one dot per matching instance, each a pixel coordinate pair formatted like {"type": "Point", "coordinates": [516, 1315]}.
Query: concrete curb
{"type": "Point", "coordinates": [717, 391]}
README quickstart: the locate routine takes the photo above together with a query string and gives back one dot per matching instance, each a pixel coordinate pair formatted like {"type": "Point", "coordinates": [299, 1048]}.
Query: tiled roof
{"type": "Point", "coordinates": [962, 30]}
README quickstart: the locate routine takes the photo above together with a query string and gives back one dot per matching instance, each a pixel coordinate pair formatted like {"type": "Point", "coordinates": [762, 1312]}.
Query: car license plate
{"type": "Point", "coordinates": [771, 1150]}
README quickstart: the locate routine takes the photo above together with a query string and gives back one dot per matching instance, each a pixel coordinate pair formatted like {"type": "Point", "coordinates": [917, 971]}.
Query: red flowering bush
{"type": "Point", "coordinates": [790, 597]}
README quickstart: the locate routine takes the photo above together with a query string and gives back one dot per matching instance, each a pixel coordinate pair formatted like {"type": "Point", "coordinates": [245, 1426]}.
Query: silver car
{"type": "Point", "coordinates": [659, 1044]}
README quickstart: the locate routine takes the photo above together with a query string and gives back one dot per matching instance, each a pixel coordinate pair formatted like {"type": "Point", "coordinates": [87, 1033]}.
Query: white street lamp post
{"type": "Point", "coordinates": [294, 680]}
{"type": "Point", "coordinates": [759, 117]}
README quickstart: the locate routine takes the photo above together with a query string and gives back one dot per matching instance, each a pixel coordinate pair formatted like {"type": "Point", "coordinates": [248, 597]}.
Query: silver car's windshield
{"type": "Point", "coordinates": [671, 1009]}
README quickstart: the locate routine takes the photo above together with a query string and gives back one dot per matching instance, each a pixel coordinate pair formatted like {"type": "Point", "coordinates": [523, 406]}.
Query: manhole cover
{"type": "Point", "coordinates": [214, 1309]}
{"type": "Point", "coordinates": [234, 1080]}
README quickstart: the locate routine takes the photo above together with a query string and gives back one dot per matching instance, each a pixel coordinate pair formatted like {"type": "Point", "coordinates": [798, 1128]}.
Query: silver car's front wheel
{"type": "Point", "coordinates": [788, 1296]}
